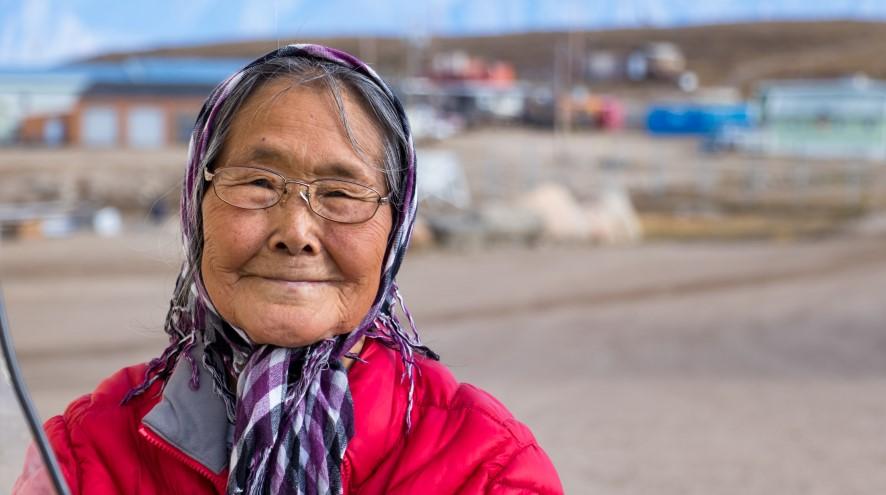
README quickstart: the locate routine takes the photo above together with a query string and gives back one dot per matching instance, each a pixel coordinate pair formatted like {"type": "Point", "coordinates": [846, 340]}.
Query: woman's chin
{"type": "Point", "coordinates": [293, 328]}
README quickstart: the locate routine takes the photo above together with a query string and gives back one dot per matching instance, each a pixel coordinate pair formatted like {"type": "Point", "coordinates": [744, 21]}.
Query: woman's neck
{"type": "Point", "coordinates": [355, 351]}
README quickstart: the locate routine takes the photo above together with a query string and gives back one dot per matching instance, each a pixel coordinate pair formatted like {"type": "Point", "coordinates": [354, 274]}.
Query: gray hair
{"type": "Point", "coordinates": [306, 71]}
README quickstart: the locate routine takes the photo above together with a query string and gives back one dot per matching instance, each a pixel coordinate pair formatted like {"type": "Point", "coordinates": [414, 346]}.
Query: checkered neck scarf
{"type": "Point", "coordinates": [292, 409]}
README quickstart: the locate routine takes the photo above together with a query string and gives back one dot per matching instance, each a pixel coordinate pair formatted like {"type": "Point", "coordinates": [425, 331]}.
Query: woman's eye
{"type": "Point", "coordinates": [342, 193]}
{"type": "Point", "coordinates": [336, 193]}
{"type": "Point", "coordinates": [261, 182]}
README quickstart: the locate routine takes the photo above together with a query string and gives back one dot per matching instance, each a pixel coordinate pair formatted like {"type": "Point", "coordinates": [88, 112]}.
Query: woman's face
{"type": "Point", "coordinates": [284, 275]}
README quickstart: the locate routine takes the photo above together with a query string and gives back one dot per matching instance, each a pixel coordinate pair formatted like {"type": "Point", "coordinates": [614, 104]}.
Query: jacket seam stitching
{"type": "Point", "coordinates": [78, 474]}
{"type": "Point", "coordinates": [78, 409]}
{"type": "Point", "coordinates": [505, 423]}
{"type": "Point", "coordinates": [496, 479]}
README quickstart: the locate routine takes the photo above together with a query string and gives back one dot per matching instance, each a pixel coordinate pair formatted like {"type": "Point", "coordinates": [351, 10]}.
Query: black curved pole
{"type": "Point", "coordinates": [24, 401]}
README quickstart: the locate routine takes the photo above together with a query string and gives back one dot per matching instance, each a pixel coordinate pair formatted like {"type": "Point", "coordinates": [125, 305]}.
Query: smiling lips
{"type": "Point", "coordinates": [295, 281]}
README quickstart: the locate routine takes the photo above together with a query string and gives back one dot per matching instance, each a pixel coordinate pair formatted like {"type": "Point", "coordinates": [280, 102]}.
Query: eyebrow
{"type": "Point", "coordinates": [266, 154]}
{"type": "Point", "coordinates": [270, 154]}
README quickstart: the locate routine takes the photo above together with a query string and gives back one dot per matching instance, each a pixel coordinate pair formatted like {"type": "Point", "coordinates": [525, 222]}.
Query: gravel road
{"type": "Point", "coordinates": [752, 368]}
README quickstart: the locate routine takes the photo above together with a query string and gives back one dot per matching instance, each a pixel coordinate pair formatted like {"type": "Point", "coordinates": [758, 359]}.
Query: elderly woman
{"type": "Point", "coordinates": [289, 370]}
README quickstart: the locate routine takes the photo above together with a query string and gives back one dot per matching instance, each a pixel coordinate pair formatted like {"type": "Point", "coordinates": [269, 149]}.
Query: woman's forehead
{"type": "Point", "coordinates": [283, 123]}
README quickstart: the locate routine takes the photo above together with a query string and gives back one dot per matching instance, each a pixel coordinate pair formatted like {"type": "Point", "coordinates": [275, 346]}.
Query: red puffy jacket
{"type": "Point", "coordinates": [462, 440]}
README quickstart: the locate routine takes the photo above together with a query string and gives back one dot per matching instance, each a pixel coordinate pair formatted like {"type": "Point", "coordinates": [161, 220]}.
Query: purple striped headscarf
{"type": "Point", "coordinates": [292, 410]}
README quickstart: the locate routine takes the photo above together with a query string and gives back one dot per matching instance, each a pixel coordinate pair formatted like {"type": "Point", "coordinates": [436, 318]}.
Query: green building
{"type": "Point", "coordinates": [830, 119]}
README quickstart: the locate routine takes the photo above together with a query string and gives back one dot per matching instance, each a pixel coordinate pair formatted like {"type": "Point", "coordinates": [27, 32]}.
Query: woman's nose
{"type": "Point", "coordinates": [296, 231]}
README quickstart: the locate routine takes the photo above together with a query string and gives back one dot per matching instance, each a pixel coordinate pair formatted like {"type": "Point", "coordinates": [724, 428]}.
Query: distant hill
{"type": "Point", "coordinates": [734, 54]}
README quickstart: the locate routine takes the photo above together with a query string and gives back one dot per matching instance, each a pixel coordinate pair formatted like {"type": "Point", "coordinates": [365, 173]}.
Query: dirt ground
{"type": "Point", "coordinates": [726, 368]}
{"type": "Point", "coordinates": [661, 368]}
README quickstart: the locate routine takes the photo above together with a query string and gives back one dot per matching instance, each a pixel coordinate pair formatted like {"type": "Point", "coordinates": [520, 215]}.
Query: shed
{"type": "Point", "coordinates": [141, 102]}
{"type": "Point", "coordinates": [25, 93]}
{"type": "Point", "coordinates": [136, 115]}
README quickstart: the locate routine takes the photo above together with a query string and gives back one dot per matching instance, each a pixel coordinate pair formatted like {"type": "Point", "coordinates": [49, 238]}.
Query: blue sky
{"type": "Point", "coordinates": [45, 32]}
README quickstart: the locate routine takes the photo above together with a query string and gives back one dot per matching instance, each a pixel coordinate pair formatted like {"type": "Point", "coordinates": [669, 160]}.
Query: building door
{"type": "Point", "coordinates": [99, 126]}
{"type": "Point", "coordinates": [145, 127]}
{"type": "Point", "coordinates": [54, 132]}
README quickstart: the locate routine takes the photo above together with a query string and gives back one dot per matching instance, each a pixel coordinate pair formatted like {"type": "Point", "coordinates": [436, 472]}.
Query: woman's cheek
{"type": "Point", "coordinates": [359, 252]}
{"type": "Point", "coordinates": [231, 237]}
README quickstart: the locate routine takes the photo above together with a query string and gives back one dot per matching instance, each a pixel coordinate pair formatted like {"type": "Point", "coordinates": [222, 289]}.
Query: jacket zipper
{"type": "Point", "coordinates": [165, 446]}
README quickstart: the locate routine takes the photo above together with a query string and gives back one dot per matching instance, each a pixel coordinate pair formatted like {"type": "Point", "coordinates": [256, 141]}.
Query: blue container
{"type": "Point", "coordinates": [696, 119]}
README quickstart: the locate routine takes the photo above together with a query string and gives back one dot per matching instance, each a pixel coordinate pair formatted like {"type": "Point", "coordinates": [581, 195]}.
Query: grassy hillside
{"type": "Point", "coordinates": [736, 54]}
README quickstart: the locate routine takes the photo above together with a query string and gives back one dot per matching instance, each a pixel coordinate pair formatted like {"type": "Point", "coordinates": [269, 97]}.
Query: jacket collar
{"type": "Point", "coordinates": [194, 421]}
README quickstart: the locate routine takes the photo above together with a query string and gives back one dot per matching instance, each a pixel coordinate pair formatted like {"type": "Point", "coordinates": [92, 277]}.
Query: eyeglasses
{"type": "Point", "coordinates": [336, 200]}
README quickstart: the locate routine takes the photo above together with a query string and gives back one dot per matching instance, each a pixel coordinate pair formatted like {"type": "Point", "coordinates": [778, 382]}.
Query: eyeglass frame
{"type": "Point", "coordinates": [305, 193]}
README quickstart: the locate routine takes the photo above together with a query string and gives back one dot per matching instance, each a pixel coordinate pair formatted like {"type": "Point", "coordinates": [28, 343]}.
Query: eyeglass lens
{"type": "Point", "coordinates": [336, 200]}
